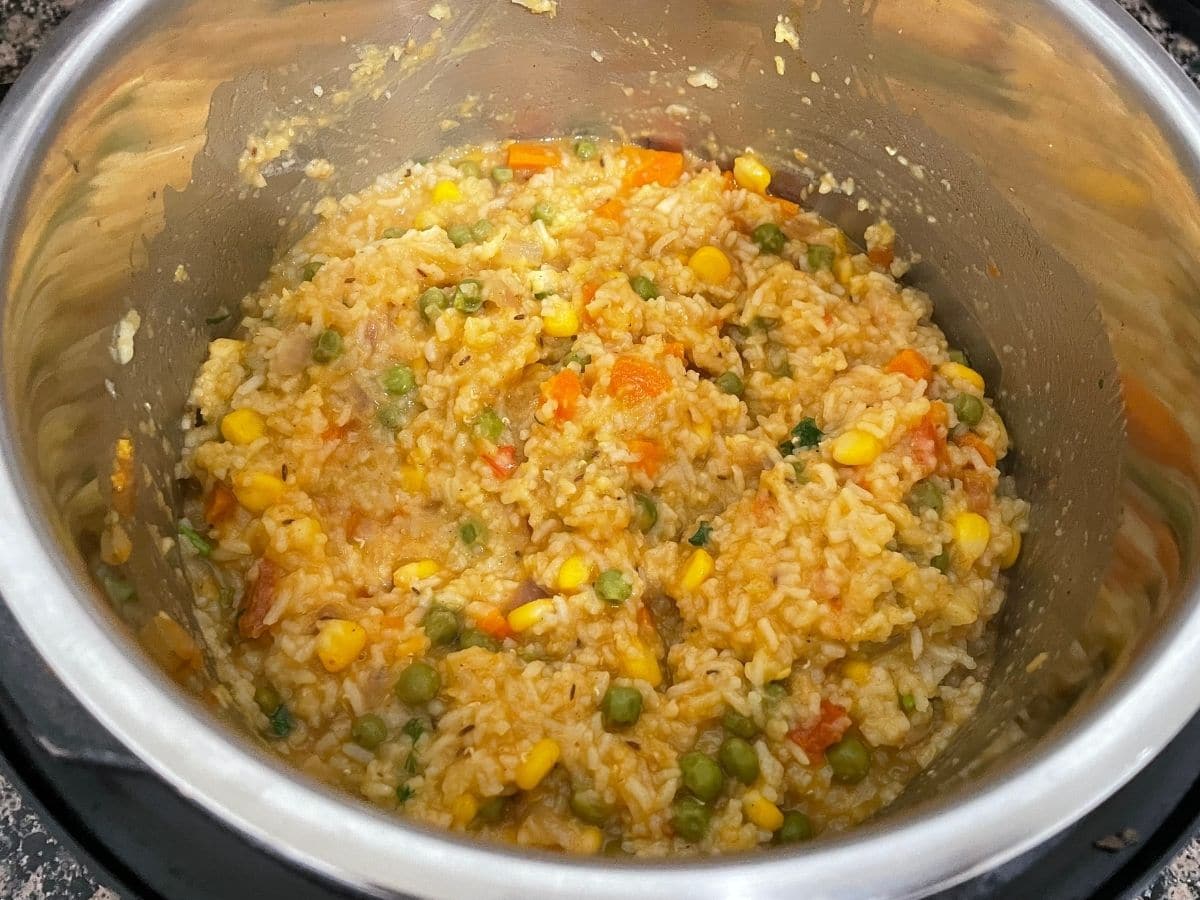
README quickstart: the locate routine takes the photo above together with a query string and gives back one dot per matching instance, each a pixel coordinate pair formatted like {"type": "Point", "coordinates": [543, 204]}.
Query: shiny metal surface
{"type": "Point", "coordinates": [1043, 157]}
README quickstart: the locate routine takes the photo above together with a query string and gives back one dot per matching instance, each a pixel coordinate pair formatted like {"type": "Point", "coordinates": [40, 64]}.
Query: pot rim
{"type": "Point", "coordinates": [327, 832]}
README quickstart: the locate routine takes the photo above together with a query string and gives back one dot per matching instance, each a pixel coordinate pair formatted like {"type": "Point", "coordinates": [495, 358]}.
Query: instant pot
{"type": "Point", "coordinates": [1042, 158]}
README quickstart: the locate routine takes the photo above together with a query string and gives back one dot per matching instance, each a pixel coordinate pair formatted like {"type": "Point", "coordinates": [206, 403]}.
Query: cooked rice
{"type": "Point", "coordinates": [825, 608]}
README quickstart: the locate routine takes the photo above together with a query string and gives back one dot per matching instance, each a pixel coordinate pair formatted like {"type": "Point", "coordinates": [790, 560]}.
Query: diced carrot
{"type": "Point", "coordinates": [259, 600]}
{"type": "Point", "coordinates": [397, 622]}
{"type": "Point", "coordinates": [564, 388]}
{"type": "Point", "coordinates": [503, 462]}
{"type": "Point", "coordinates": [334, 433]}
{"type": "Point", "coordinates": [533, 156]}
{"type": "Point", "coordinates": [815, 738]}
{"type": "Point", "coordinates": [219, 504]}
{"type": "Point", "coordinates": [611, 209]}
{"type": "Point", "coordinates": [495, 624]}
{"type": "Point", "coordinates": [651, 166]}
{"type": "Point", "coordinates": [727, 180]}
{"type": "Point", "coordinates": [911, 363]}
{"type": "Point", "coordinates": [589, 291]}
{"type": "Point", "coordinates": [787, 207]}
{"type": "Point", "coordinates": [649, 455]}
{"type": "Point", "coordinates": [674, 348]}
{"type": "Point", "coordinates": [882, 256]}
{"type": "Point", "coordinates": [927, 443]}
{"type": "Point", "coordinates": [979, 445]}
{"type": "Point", "coordinates": [978, 487]}
{"type": "Point", "coordinates": [938, 414]}
{"type": "Point", "coordinates": [635, 380]}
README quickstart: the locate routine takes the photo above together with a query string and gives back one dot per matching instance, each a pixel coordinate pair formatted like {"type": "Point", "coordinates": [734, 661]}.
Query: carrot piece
{"type": "Point", "coordinates": [396, 622]}
{"type": "Point", "coordinates": [938, 414]}
{"type": "Point", "coordinates": [979, 445]}
{"type": "Point", "coordinates": [503, 462]}
{"type": "Point", "coordinates": [259, 600]}
{"type": "Point", "coordinates": [727, 180]}
{"type": "Point", "coordinates": [814, 739]}
{"type": "Point", "coordinates": [494, 623]}
{"type": "Point", "coordinates": [882, 256]}
{"type": "Point", "coordinates": [787, 207]}
{"type": "Point", "coordinates": [219, 504]}
{"type": "Point", "coordinates": [927, 444]}
{"type": "Point", "coordinates": [611, 209]}
{"type": "Point", "coordinates": [589, 291]}
{"type": "Point", "coordinates": [652, 166]}
{"type": "Point", "coordinates": [674, 348]}
{"type": "Point", "coordinates": [635, 380]}
{"type": "Point", "coordinates": [564, 388]}
{"type": "Point", "coordinates": [911, 363]}
{"type": "Point", "coordinates": [532, 156]}
{"type": "Point", "coordinates": [649, 455]}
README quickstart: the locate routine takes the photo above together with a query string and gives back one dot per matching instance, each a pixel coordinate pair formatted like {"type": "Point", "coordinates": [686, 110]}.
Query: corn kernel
{"type": "Point", "coordinates": [573, 573]}
{"type": "Point", "coordinates": [843, 270]}
{"type": "Point", "coordinates": [762, 812]}
{"type": "Point", "coordinates": [953, 371]}
{"type": "Point", "coordinates": [425, 219]}
{"type": "Point", "coordinates": [751, 174]}
{"type": "Point", "coordinates": [710, 264]}
{"type": "Point", "coordinates": [339, 643]}
{"type": "Point", "coordinates": [463, 809]}
{"type": "Point", "coordinates": [857, 671]}
{"type": "Point", "coordinates": [303, 534]}
{"type": "Point", "coordinates": [243, 426]}
{"type": "Point", "coordinates": [971, 536]}
{"type": "Point", "coordinates": [1009, 559]}
{"type": "Point", "coordinates": [537, 763]}
{"type": "Point", "coordinates": [856, 448]}
{"type": "Point", "coordinates": [412, 479]}
{"type": "Point", "coordinates": [559, 318]}
{"type": "Point", "coordinates": [529, 614]}
{"type": "Point", "coordinates": [446, 191]}
{"type": "Point", "coordinates": [638, 662]}
{"type": "Point", "coordinates": [257, 491]}
{"type": "Point", "coordinates": [479, 334]}
{"type": "Point", "coordinates": [591, 840]}
{"type": "Point", "coordinates": [696, 570]}
{"type": "Point", "coordinates": [416, 571]}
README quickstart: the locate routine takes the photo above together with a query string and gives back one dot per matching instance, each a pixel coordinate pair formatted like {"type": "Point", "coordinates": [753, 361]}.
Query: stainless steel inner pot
{"type": "Point", "coordinates": [1042, 157]}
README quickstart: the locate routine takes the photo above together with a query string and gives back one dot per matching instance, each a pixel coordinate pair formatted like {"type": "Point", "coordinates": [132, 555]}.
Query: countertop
{"type": "Point", "coordinates": [33, 865]}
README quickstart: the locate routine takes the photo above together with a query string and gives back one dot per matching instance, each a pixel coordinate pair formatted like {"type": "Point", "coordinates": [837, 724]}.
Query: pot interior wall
{"type": "Point", "coordinates": [1058, 230]}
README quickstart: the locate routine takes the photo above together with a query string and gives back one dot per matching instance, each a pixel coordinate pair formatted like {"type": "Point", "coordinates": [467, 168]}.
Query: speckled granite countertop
{"type": "Point", "coordinates": [33, 865]}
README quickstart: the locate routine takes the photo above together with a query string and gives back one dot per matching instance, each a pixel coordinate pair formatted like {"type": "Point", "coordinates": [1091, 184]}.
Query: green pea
{"type": "Point", "coordinates": [418, 683]}
{"type": "Point", "coordinates": [820, 257]}
{"type": "Point", "coordinates": [925, 495]}
{"type": "Point", "coordinates": [579, 360]}
{"type": "Point", "coordinates": [969, 409]}
{"type": "Point", "coordinates": [473, 637]}
{"type": "Point", "coordinates": [468, 297]}
{"type": "Point", "coordinates": [441, 625]}
{"type": "Point", "coordinates": [368, 731]}
{"type": "Point", "coordinates": [586, 148]}
{"type": "Point", "coordinates": [613, 586]}
{"type": "Point", "coordinates": [482, 230]}
{"type": "Point", "coordinates": [959, 357]}
{"type": "Point", "coordinates": [502, 174]}
{"type": "Point", "coordinates": [796, 827]}
{"type": "Point", "coordinates": [328, 346]}
{"type": "Point", "coordinates": [645, 512]}
{"type": "Point", "coordinates": [908, 703]}
{"type": "Point", "coordinates": [644, 287]}
{"type": "Point", "coordinates": [621, 706]}
{"type": "Point", "coordinates": [399, 380]}
{"type": "Point", "coordinates": [738, 725]}
{"type": "Point", "coordinates": [587, 805]}
{"type": "Point", "coordinates": [730, 383]}
{"type": "Point", "coordinates": [769, 237]}
{"type": "Point", "coordinates": [470, 168]}
{"type": "Point", "coordinates": [470, 533]}
{"type": "Point", "coordinates": [850, 760]}
{"type": "Point", "coordinates": [701, 775]}
{"type": "Point", "coordinates": [267, 699]}
{"type": "Point", "coordinates": [941, 562]}
{"type": "Point", "coordinates": [542, 212]}
{"type": "Point", "coordinates": [700, 538]}
{"type": "Point", "coordinates": [311, 269]}
{"type": "Point", "coordinates": [778, 362]}
{"type": "Point", "coordinates": [432, 301]}
{"type": "Point", "coordinates": [460, 235]}
{"type": "Point", "coordinates": [492, 810]}
{"type": "Point", "coordinates": [392, 416]}
{"type": "Point", "coordinates": [390, 234]}
{"type": "Point", "coordinates": [689, 818]}
{"type": "Point", "coordinates": [488, 425]}
{"type": "Point", "coordinates": [738, 758]}
{"type": "Point", "coordinates": [202, 545]}
{"type": "Point", "coordinates": [776, 691]}
{"type": "Point", "coordinates": [118, 589]}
